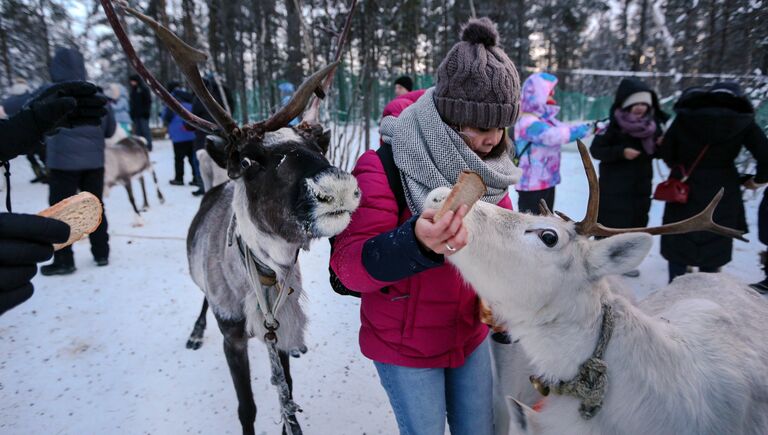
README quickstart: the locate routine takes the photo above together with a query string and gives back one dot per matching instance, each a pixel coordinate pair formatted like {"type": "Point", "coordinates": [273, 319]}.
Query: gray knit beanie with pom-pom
{"type": "Point", "coordinates": [477, 84]}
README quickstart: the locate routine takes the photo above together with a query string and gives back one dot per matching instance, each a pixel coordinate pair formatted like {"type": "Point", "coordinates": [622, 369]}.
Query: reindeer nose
{"type": "Point", "coordinates": [324, 198]}
{"type": "Point", "coordinates": [337, 188]}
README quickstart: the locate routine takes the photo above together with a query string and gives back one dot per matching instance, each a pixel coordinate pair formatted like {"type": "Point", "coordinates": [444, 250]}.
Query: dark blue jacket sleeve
{"type": "Point", "coordinates": [396, 254]}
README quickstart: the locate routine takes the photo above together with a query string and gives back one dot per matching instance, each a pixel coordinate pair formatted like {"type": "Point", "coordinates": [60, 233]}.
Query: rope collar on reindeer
{"type": "Point", "coordinates": [592, 379]}
{"type": "Point", "coordinates": [264, 281]}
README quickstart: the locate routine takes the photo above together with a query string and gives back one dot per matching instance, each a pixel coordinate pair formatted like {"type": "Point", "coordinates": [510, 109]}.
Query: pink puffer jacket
{"type": "Point", "coordinates": [427, 320]}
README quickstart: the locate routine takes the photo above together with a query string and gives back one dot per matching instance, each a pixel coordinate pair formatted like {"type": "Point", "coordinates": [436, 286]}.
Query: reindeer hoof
{"type": "Point", "coordinates": [137, 222]}
{"type": "Point", "coordinates": [296, 352]}
{"type": "Point", "coordinates": [194, 343]}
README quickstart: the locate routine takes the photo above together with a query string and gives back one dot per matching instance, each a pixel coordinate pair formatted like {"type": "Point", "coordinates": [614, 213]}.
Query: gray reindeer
{"type": "Point", "coordinates": [126, 157]}
{"type": "Point", "coordinates": [689, 359]}
{"type": "Point", "coordinates": [243, 244]}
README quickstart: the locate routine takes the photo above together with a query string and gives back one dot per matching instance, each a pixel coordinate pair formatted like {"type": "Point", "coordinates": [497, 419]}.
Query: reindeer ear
{"type": "Point", "coordinates": [216, 147]}
{"type": "Point", "coordinates": [618, 254]}
{"type": "Point", "coordinates": [324, 140]}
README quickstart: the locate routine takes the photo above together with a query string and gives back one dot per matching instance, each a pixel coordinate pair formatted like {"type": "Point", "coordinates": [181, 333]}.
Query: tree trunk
{"type": "Point", "coordinates": [157, 10]}
{"type": "Point", "coordinates": [188, 22]}
{"type": "Point", "coordinates": [724, 35]}
{"type": "Point", "coordinates": [709, 54]}
{"type": "Point", "coordinates": [637, 56]}
{"type": "Point", "coordinates": [46, 44]}
{"type": "Point", "coordinates": [214, 37]}
{"type": "Point", "coordinates": [4, 54]}
{"type": "Point", "coordinates": [294, 72]}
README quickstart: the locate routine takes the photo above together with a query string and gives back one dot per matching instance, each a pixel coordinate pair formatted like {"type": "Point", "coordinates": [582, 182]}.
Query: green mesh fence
{"type": "Point", "coordinates": [347, 105]}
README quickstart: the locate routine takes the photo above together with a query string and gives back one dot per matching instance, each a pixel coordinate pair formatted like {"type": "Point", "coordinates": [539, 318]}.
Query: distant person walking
{"type": "Point", "coordinates": [76, 163]}
{"type": "Point", "coordinates": [140, 109]}
{"type": "Point", "coordinates": [403, 85]}
{"type": "Point", "coordinates": [712, 125]}
{"type": "Point", "coordinates": [118, 99]}
{"type": "Point", "coordinates": [626, 150]}
{"type": "Point", "coordinates": [539, 136]}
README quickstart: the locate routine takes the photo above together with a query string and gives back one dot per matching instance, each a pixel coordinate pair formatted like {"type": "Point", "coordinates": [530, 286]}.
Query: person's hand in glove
{"type": "Point", "coordinates": [67, 104]}
{"type": "Point", "coordinates": [25, 240]}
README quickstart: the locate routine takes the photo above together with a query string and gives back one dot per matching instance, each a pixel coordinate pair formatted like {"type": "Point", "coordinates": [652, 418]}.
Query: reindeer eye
{"type": "Point", "coordinates": [246, 163]}
{"type": "Point", "coordinates": [549, 238]}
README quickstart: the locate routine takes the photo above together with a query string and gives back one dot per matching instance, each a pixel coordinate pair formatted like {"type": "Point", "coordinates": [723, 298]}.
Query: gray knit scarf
{"type": "Point", "coordinates": [430, 154]}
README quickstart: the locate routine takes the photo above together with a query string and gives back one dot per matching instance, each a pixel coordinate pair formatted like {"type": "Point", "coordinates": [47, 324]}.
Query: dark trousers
{"type": "Point", "coordinates": [678, 269]}
{"type": "Point", "coordinates": [63, 184]}
{"type": "Point", "coordinates": [528, 202]}
{"type": "Point", "coordinates": [180, 151]}
{"type": "Point", "coordinates": [141, 128]}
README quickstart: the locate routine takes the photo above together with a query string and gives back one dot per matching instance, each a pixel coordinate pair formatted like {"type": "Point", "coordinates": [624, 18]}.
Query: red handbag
{"type": "Point", "coordinates": [676, 190]}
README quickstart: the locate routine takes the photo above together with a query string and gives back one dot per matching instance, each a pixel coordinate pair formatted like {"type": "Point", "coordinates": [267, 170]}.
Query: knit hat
{"type": "Point", "coordinates": [638, 98]}
{"type": "Point", "coordinates": [477, 85]}
{"type": "Point", "coordinates": [405, 82]}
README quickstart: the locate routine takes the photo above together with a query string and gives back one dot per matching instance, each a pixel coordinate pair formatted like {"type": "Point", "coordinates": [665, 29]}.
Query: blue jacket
{"type": "Point", "coordinates": [79, 148]}
{"type": "Point", "coordinates": [176, 130]}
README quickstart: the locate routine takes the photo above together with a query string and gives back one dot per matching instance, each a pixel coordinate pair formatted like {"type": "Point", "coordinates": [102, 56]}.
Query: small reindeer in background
{"type": "Point", "coordinates": [126, 157]}
{"type": "Point", "coordinates": [244, 242]}
{"type": "Point", "coordinates": [691, 358]}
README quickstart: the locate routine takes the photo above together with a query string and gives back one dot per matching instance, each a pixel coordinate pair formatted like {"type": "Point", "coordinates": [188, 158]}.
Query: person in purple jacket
{"type": "Point", "coordinates": [539, 136]}
{"type": "Point", "coordinates": [420, 319]}
{"type": "Point", "coordinates": [183, 138]}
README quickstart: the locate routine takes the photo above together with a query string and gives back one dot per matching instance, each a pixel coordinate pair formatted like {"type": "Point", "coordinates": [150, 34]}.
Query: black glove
{"type": "Point", "coordinates": [25, 240]}
{"type": "Point", "coordinates": [67, 104]}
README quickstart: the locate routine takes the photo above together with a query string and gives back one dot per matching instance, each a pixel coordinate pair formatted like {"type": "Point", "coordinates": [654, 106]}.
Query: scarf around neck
{"type": "Point", "coordinates": [430, 154]}
{"type": "Point", "coordinates": [643, 128]}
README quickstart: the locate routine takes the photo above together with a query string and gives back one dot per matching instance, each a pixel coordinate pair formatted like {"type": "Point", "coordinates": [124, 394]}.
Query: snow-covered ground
{"type": "Point", "coordinates": [102, 351]}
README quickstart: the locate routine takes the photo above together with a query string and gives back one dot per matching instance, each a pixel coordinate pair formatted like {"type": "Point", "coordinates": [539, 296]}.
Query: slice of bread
{"type": "Point", "coordinates": [468, 190]}
{"type": "Point", "coordinates": [82, 212]}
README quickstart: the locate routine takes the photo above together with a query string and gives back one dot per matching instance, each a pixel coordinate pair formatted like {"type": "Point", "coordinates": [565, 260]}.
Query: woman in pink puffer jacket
{"type": "Point", "coordinates": [420, 321]}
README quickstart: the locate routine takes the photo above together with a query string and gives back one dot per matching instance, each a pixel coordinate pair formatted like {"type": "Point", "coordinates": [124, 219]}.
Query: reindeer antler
{"type": "Point", "coordinates": [700, 222]}
{"type": "Point", "coordinates": [189, 57]}
{"type": "Point", "coordinates": [544, 208]}
{"type": "Point", "coordinates": [312, 116]}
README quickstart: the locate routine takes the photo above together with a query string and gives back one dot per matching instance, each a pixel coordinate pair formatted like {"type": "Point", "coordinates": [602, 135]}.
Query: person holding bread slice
{"type": "Point", "coordinates": [26, 240]}
{"type": "Point", "coordinates": [420, 320]}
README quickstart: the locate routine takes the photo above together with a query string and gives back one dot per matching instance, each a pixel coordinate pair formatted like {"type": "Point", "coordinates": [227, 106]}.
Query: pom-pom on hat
{"type": "Point", "coordinates": [477, 85]}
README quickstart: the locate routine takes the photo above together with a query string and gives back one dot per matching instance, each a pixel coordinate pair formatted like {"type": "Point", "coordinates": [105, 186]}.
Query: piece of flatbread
{"type": "Point", "coordinates": [468, 190]}
{"type": "Point", "coordinates": [82, 212]}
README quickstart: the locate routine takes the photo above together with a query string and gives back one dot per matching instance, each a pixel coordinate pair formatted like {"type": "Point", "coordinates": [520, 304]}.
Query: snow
{"type": "Point", "coordinates": [102, 350]}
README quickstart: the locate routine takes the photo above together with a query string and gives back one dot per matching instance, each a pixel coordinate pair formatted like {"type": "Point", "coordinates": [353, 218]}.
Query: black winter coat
{"type": "Point", "coordinates": [79, 148]}
{"type": "Point", "coordinates": [140, 104]}
{"type": "Point", "coordinates": [725, 122]}
{"type": "Point", "coordinates": [625, 185]}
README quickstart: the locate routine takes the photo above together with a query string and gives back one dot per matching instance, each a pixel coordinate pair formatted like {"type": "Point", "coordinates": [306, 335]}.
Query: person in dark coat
{"type": "Point", "coordinates": [723, 119]}
{"type": "Point", "coordinates": [183, 138]}
{"type": "Point", "coordinates": [199, 110]}
{"type": "Point", "coordinates": [625, 150]}
{"type": "Point", "coordinates": [25, 239]}
{"type": "Point", "coordinates": [20, 93]}
{"type": "Point", "coordinates": [76, 163]}
{"type": "Point", "coordinates": [140, 108]}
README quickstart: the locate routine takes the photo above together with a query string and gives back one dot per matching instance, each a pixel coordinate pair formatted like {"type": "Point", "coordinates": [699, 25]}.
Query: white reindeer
{"type": "Point", "coordinates": [690, 359]}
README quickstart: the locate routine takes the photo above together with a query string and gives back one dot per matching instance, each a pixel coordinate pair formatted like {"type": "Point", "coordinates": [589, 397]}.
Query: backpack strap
{"type": "Point", "coordinates": [393, 175]}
